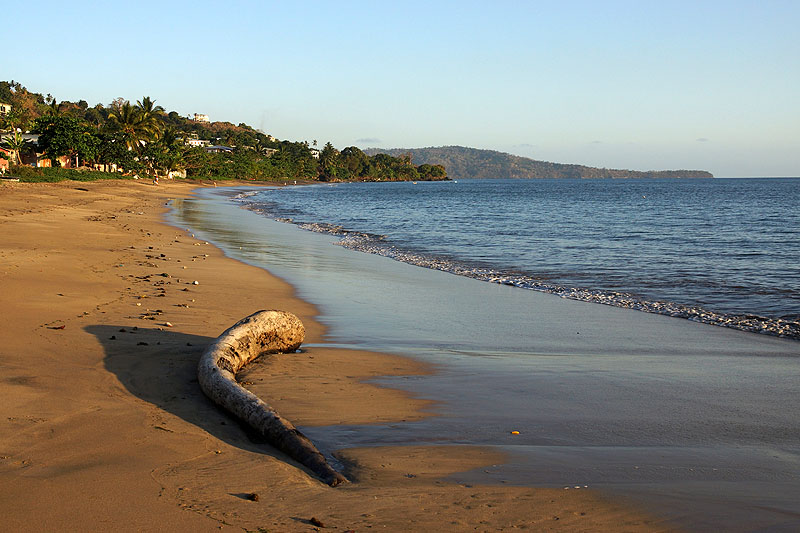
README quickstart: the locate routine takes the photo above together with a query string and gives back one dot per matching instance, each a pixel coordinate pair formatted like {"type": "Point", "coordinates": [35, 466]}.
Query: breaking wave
{"type": "Point", "coordinates": [788, 327]}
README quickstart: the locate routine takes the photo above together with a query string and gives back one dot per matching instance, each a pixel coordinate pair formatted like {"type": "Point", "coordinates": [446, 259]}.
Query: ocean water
{"type": "Point", "coordinates": [721, 251]}
{"type": "Point", "coordinates": [697, 422]}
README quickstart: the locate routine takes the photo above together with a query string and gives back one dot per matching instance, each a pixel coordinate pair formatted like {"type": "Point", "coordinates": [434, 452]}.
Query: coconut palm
{"type": "Point", "coordinates": [150, 115]}
{"type": "Point", "coordinates": [128, 119]}
{"type": "Point", "coordinates": [149, 108]}
{"type": "Point", "coordinates": [54, 108]}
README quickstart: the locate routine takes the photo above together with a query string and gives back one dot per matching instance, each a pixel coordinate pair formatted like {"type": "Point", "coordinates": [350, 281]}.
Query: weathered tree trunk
{"type": "Point", "coordinates": [260, 333]}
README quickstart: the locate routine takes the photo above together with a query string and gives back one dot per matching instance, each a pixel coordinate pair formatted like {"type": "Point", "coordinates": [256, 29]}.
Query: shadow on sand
{"type": "Point", "coordinates": [160, 367]}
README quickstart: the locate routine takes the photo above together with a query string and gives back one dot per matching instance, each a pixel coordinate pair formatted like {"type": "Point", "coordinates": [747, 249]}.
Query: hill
{"type": "Point", "coordinates": [122, 138]}
{"type": "Point", "coordinates": [465, 163]}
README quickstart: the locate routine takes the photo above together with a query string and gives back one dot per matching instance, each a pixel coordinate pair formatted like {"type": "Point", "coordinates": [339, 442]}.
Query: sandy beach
{"type": "Point", "coordinates": [105, 428]}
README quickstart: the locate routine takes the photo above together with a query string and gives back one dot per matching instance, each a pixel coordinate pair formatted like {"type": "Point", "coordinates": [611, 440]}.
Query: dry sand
{"type": "Point", "coordinates": [103, 426]}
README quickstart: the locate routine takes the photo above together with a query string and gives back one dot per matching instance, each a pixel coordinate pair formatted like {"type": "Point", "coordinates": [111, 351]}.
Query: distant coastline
{"type": "Point", "coordinates": [472, 163]}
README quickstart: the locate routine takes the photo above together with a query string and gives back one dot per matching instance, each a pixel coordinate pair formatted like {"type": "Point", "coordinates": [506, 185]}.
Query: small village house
{"type": "Point", "coordinates": [5, 157]}
{"type": "Point", "coordinates": [217, 148]}
{"type": "Point", "coordinates": [197, 143]}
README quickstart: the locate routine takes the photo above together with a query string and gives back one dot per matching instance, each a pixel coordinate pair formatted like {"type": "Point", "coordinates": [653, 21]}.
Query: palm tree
{"type": "Point", "coordinates": [128, 119]}
{"type": "Point", "coordinates": [150, 115]}
{"type": "Point", "coordinates": [16, 143]}
{"type": "Point", "coordinates": [148, 107]}
{"type": "Point", "coordinates": [54, 108]}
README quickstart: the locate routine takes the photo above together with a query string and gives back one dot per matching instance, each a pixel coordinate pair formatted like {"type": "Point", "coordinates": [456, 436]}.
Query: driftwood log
{"type": "Point", "coordinates": [260, 333]}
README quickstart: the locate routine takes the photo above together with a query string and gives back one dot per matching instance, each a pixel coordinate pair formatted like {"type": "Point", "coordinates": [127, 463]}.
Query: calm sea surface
{"type": "Point", "coordinates": [723, 251]}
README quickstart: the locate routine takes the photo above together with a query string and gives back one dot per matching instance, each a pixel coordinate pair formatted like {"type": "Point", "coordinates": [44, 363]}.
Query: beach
{"type": "Point", "coordinates": [104, 425]}
{"type": "Point", "coordinates": [693, 421]}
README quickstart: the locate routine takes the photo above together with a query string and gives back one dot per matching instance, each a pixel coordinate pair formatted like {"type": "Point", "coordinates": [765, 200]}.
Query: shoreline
{"type": "Point", "coordinates": [360, 240]}
{"type": "Point", "coordinates": [625, 388]}
{"type": "Point", "coordinates": [119, 413]}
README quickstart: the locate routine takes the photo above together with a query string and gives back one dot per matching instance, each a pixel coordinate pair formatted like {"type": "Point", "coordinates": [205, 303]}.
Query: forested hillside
{"type": "Point", "coordinates": [464, 163]}
{"type": "Point", "coordinates": [143, 138]}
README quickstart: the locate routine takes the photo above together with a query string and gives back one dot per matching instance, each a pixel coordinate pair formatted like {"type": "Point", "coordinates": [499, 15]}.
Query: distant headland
{"type": "Point", "coordinates": [464, 163]}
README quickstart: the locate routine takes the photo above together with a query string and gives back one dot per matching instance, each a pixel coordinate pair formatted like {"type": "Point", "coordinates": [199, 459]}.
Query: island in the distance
{"type": "Point", "coordinates": [462, 162]}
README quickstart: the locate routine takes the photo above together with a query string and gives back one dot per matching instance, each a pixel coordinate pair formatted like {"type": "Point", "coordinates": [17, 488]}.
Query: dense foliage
{"type": "Point", "coordinates": [144, 139]}
{"type": "Point", "coordinates": [352, 163]}
{"type": "Point", "coordinates": [53, 174]}
{"type": "Point", "coordinates": [463, 163]}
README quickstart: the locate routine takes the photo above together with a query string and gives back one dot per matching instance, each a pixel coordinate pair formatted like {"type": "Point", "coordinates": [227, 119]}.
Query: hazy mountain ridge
{"type": "Point", "coordinates": [465, 163]}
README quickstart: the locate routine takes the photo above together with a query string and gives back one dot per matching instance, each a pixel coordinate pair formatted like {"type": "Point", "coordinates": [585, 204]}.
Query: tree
{"type": "Point", "coordinates": [129, 121]}
{"type": "Point", "coordinates": [114, 150]}
{"type": "Point", "coordinates": [431, 172]}
{"type": "Point", "coordinates": [163, 153]}
{"type": "Point", "coordinates": [354, 162]}
{"type": "Point", "coordinates": [150, 115]}
{"type": "Point", "coordinates": [328, 162]}
{"type": "Point", "coordinates": [95, 115]}
{"type": "Point", "coordinates": [53, 108]}
{"type": "Point", "coordinates": [64, 135]}
{"type": "Point", "coordinates": [17, 144]}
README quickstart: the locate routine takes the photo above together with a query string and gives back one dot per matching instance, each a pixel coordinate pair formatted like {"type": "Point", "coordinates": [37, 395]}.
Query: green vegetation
{"type": "Point", "coordinates": [52, 174]}
{"type": "Point", "coordinates": [351, 163]}
{"type": "Point", "coordinates": [142, 139]}
{"type": "Point", "coordinates": [464, 163]}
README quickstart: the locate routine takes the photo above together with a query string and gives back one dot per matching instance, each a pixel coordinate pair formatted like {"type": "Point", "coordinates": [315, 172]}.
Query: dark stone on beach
{"type": "Point", "coordinates": [113, 337]}
{"type": "Point", "coordinates": [316, 522]}
{"type": "Point", "coordinates": [253, 496]}
{"type": "Point", "coordinates": [142, 343]}
{"type": "Point", "coordinates": [122, 330]}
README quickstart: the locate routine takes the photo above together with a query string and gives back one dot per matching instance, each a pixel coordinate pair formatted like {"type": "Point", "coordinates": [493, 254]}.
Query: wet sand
{"type": "Point", "coordinates": [103, 426]}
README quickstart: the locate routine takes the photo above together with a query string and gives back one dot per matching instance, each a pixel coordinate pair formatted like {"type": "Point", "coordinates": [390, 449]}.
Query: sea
{"type": "Point", "coordinates": [722, 251]}
{"type": "Point", "coordinates": [642, 337]}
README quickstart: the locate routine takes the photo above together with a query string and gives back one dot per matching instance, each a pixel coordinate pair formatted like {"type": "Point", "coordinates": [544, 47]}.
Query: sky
{"type": "Point", "coordinates": [711, 85]}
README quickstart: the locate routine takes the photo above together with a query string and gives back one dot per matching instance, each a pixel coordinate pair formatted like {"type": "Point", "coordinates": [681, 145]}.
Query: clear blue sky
{"type": "Point", "coordinates": [712, 85]}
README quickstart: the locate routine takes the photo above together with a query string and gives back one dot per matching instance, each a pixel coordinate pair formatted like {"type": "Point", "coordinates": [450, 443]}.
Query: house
{"type": "Point", "coordinates": [5, 157]}
{"type": "Point", "coordinates": [314, 153]}
{"type": "Point", "coordinates": [218, 148]}
{"type": "Point", "coordinates": [197, 143]}
{"type": "Point", "coordinates": [199, 117]}
{"type": "Point", "coordinates": [42, 161]}
{"type": "Point", "coordinates": [172, 174]}
{"type": "Point", "coordinates": [26, 156]}
{"type": "Point", "coordinates": [5, 109]}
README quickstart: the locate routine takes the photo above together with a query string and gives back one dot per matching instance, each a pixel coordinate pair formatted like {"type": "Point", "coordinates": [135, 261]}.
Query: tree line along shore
{"type": "Point", "coordinates": [46, 140]}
